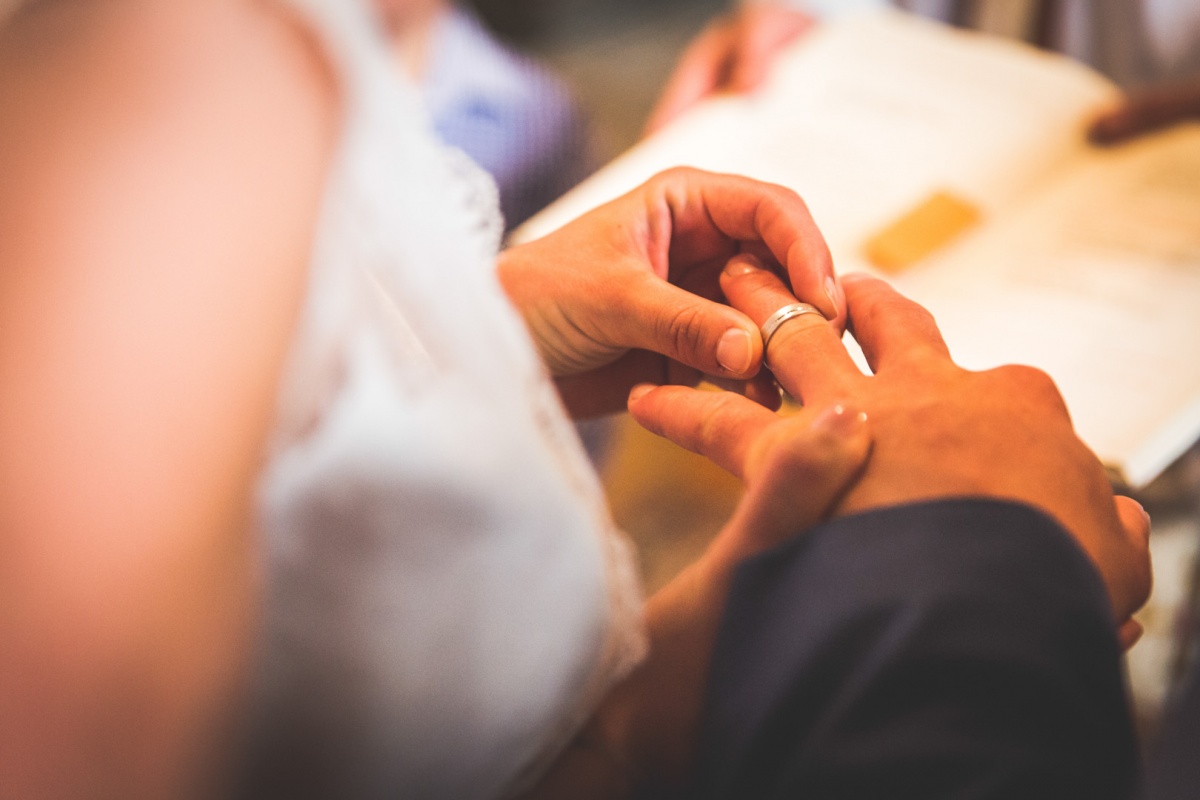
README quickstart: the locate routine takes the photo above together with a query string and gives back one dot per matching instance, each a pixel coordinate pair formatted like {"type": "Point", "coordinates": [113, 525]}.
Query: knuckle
{"type": "Point", "coordinates": [713, 424]}
{"type": "Point", "coordinates": [781, 200]}
{"type": "Point", "coordinates": [909, 315]}
{"type": "Point", "coordinates": [1033, 383]}
{"type": "Point", "coordinates": [776, 191]}
{"type": "Point", "coordinates": [685, 329]}
{"type": "Point", "coordinates": [786, 195]}
{"type": "Point", "coordinates": [881, 307]}
{"type": "Point", "coordinates": [676, 175]}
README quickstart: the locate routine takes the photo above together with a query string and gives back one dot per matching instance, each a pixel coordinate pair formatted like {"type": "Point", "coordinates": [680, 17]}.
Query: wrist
{"type": "Point", "coordinates": [642, 738]}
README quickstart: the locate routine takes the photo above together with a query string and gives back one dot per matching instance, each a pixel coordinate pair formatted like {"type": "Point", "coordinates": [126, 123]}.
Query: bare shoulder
{"type": "Point", "coordinates": [161, 169]}
{"type": "Point", "coordinates": [161, 104]}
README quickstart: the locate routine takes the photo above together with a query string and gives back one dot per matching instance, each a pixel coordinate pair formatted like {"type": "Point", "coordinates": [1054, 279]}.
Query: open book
{"type": "Point", "coordinates": [956, 166]}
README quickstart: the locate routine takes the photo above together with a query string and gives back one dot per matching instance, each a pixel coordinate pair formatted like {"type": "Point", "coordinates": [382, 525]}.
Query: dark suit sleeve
{"type": "Point", "coordinates": [956, 649]}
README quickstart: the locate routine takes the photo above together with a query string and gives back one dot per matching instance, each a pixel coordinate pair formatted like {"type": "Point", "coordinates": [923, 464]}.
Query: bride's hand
{"type": "Point", "coordinates": [630, 292]}
{"type": "Point", "coordinates": [733, 54]}
{"type": "Point", "coordinates": [796, 469]}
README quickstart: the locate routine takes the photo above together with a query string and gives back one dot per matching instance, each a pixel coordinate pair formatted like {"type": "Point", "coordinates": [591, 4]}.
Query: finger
{"type": "Point", "coordinates": [606, 390]}
{"type": "Point", "coordinates": [708, 209]}
{"type": "Point", "coordinates": [1115, 126]}
{"type": "Point", "coordinates": [762, 389]}
{"type": "Point", "coordinates": [1131, 119]}
{"type": "Point", "coordinates": [1146, 111]}
{"type": "Point", "coordinates": [892, 330]}
{"type": "Point", "coordinates": [807, 355]}
{"type": "Point", "coordinates": [718, 425]}
{"type": "Point", "coordinates": [764, 29]}
{"type": "Point", "coordinates": [797, 472]}
{"type": "Point", "coordinates": [705, 335]}
{"type": "Point", "coordinates": [1129, 634]}
{"type": "Point", "coordinates": [701, 71]}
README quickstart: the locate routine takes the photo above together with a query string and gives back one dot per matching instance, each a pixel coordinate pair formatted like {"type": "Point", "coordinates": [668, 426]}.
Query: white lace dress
{"type": "Point", "coordinates": [447, 596]}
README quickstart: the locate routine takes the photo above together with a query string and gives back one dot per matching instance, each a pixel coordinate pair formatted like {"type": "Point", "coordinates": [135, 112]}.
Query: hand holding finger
{"type": "Point", "coordinates": [589, 293]}
{"type": "Point", "coordinates": [795, 467]}
{"type": "Point", "coordinates": [602, 390]}
{"type": "Point", "coordinates": [718, 425]}
{"type": "Point", "coordinates": [642, 274]}
{"type": "Point", "coordinates": [941, 431]}
{"type": "Point", "coordinates": [686, 327]}
{"type": "Point", "coordinates": [695, 222]}
{"type": "Point", "coordinates": [713, 217]}
{"type": "Point", "coordinates": [807, 354]}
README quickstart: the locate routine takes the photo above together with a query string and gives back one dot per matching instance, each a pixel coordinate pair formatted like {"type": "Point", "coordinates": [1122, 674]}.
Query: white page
{"type": "Point", "coordinates": [1095, 279]}
{"type": "Point", "coordinates": [866, 116]}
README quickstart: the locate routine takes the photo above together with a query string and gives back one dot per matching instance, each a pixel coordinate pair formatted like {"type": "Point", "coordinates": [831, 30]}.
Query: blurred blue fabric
{"type": "Point", "coordinates": [508, 113]}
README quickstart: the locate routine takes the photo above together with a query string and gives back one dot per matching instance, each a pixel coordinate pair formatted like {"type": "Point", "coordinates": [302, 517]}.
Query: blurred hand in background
{"type": "Point", "coordinates": [733, 54]}
{"type": "Point", "coordinates": [1147, 110]}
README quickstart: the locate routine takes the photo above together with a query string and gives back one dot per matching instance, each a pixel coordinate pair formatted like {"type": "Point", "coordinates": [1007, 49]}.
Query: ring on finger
{"type": "Point", "coordinates": [775, 322]}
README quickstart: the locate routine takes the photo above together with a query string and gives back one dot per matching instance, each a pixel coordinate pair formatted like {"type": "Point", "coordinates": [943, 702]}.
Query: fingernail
{"type": "Point", "coordinates": [734, 352]}
{"type": "Point", "coordinates": [841, 420]}
{"type": "Point", "coordinates": [640, 391]}
{"type": "Point", "coordinates": [742, 265]}
{"type": "Point", "coordinates": [834, 292]}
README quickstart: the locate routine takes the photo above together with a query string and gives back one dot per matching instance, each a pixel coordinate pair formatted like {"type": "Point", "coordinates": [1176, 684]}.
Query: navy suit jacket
{"type": "Point", "coordinates": [954, 649]}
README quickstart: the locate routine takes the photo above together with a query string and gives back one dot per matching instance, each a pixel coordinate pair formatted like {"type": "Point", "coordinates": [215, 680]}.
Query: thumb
{"type": "Point", "coordinates": [708, 336]}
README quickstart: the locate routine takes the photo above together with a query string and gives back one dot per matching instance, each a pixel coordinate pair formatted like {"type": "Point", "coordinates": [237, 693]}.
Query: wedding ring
{"type": "Point", "coordinates": [776, 320]}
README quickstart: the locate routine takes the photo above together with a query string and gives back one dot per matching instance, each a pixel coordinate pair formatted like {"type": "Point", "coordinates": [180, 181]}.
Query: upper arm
{"type": "Point", "coordinates": [161, 168]}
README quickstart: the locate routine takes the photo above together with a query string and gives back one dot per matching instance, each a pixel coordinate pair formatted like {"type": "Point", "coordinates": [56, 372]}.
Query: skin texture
{"type": "Point", "coordinates": [733, 54]}
{"type": "Point", "coordinates": [643, 736]}
{"type": "Point", "coordinates": [160, 173]}
{"type": "Point", "coordinates": [638, 277]}
{"type": "Point", "coordinates": [939, 431]}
